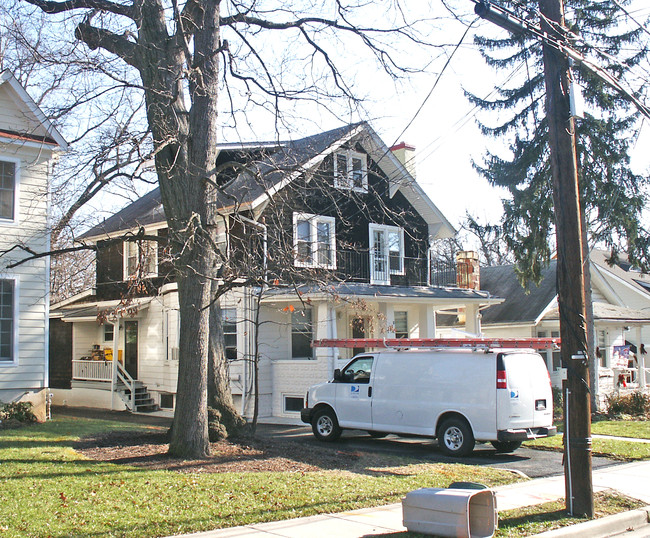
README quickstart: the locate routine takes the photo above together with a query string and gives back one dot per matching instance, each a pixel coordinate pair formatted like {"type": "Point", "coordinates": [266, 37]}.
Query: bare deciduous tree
{"type": "Point", "coordinates": [180, 52]}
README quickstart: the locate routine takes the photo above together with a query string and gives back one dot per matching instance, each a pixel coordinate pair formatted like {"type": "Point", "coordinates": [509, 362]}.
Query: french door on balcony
{"type": "Point", "coordinates": [386, 253]}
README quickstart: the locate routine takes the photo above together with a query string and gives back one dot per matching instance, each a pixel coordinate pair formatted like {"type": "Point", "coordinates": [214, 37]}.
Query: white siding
{"type": "Point", "coordinates": [28, 370]}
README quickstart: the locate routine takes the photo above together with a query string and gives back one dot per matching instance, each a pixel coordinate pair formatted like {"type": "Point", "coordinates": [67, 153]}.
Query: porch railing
{"type": "Point", "coordinates": [85, 370]}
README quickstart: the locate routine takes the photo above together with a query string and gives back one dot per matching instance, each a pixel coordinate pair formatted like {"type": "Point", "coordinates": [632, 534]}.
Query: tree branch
{"type": "Point", "coordinates": [51, 7]}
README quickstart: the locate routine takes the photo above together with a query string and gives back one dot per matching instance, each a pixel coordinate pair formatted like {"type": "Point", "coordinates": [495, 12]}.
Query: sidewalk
{"type": "Point", "coordinates": [630, 479]}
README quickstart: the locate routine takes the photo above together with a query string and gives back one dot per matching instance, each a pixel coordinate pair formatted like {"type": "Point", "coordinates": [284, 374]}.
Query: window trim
{"type": "Point", "coordinates": [125, 257]}
{"type": "Point", "coordinates": [15, 322]}
{"type": "Point", "coordinates": [348, 184]}
{"type": "Point", "coordinates": [313, 221]}
{"type": "Point", "coordinates": [17, 174]}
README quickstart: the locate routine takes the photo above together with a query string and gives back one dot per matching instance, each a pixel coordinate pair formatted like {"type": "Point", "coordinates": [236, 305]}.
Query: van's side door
{"type": "Point", "coordinates": [354, 394]}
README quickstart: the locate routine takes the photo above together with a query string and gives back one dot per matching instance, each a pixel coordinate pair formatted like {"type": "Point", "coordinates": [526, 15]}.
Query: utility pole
{"type": "Point", "coordinates": [571, 256]}
{"type": "Point", "coordinates": [570, 275]}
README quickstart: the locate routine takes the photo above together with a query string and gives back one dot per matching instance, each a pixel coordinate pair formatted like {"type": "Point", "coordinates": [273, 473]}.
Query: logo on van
{"type": "Point", "coordinates": [354, 389]}
{"type": "Point", "coordinates": [514, 394]}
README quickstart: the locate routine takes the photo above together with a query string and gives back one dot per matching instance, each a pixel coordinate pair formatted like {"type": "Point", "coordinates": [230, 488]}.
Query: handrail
{"type": "Point", "coordinates": [125, 377]}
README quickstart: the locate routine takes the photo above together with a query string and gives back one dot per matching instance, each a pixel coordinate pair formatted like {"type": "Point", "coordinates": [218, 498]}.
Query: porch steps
{"type": "Point", "coordinates": [144, 403]}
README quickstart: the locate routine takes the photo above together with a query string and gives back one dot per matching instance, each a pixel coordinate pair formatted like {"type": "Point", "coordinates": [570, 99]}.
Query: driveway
{"type": "Point", "coordinates": [533, 463]}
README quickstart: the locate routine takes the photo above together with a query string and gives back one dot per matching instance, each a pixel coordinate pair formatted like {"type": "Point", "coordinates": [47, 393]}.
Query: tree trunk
{"type": "Point", "coordinates": [190, 427]}
{"type": "Point", "coordinates": [219, 395]}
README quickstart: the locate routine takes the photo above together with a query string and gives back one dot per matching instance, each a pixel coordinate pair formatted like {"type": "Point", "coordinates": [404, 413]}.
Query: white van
{"type": "Point", "coordinates": [459, 396]}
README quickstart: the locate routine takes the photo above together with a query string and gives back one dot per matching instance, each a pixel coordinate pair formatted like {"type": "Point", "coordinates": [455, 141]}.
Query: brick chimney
{"type": "Point", "coordinates": [467, 270]}
{"type": "Point", "coordinates": [405, 154]}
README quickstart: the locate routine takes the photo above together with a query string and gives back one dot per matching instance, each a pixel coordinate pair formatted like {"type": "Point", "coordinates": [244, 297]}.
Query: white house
{"type": "Point", "coordinates": [339, 206]}
{"type": "Point", "coordinates": [29, 144]}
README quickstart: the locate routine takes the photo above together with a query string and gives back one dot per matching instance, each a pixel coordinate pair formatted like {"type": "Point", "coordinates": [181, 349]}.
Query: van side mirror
{"type": "Point", "coordinates": [337, 374]}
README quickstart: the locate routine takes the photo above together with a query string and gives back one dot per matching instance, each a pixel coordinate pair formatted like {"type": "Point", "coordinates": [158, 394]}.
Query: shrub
{"type": "Point", "coordinates": [17, 412]}
{"type": "Point", "coordinates": [636, 404]}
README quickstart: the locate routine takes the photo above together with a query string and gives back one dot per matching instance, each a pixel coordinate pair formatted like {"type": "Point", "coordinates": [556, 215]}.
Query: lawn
{"type": "Point", "coordinates": [639, 429]}
{"type": "Point", "coordinates": [49, 489]}
{"type": "Point", "coordinates": [610, 448]}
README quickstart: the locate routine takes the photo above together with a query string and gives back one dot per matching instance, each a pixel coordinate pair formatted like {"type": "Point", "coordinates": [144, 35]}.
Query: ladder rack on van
{"type": "Point", "coordinates": [483, 343]}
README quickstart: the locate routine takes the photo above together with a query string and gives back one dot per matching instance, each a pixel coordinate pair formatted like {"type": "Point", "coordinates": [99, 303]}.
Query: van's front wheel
{"type": "Point", "coordinates": [455, 437]}
{"type": "Point", "coordinates": [325, 426]}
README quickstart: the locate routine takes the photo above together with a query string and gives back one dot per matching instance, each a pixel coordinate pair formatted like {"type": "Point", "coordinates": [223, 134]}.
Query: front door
{"type": "Point", "coordinates": [359, 330]}
{"type": "Point", "coordinates": [131, 348]}
{"type": "Point", "coordinates": [379, 268]}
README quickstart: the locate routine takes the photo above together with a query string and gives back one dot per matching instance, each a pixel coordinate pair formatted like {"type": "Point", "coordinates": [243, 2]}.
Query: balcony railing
{"type": "Point", "coordinates": [367, 267]}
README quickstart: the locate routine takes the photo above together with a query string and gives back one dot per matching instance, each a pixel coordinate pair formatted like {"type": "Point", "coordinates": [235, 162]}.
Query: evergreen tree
{"type": "Point", "coordinates": [613, 197]}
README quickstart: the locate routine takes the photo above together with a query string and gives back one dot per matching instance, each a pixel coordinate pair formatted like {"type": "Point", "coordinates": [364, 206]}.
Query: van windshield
{"type": "Point", "coordinates": [358, 371]}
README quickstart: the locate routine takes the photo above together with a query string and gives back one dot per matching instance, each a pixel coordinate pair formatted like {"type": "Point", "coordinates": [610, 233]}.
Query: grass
{"type": "Point", "coordinates": [616, 449]}
{"type": "Point", "coordinates": [536, 519]}
{"type": "Point", "coordinates": [639, 429]}
{"type": "Point", "coordinates": [48, 489]}
{"type": "Point", "coordinates": [607, 448]}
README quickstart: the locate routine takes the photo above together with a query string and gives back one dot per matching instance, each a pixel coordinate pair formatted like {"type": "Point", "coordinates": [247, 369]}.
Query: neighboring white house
{"type": "Point", "coordinates": [28, 145]}
{"type": "Point", "coordinates": [376, 257]}
{"type": "Point", "coordinates": [621, 305]}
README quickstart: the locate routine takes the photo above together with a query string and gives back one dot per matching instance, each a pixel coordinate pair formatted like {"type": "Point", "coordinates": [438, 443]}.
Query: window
{"type": "Point", "coordinates": [108, 332]}
{"type": "Point", "coordinates": [229, 324]}
{"type": "Point", "coordinates": [7, 190]}
{"type": "Point", "coordinates": [301, 334]}
{"type": "Point", "coordinates": [350, 171]}
{"type": "Point", "coordinates": [7, 299]}
{"type": "Point", "coordinates": [293, 404]}
{"type": "Point", "coordinates": [140, 259]}
{"type": "Point", "coordinates": [602, 348]}
{"type": "Point", "coordinates": [358, 371]}
{"type": "Point", "coordinates": [386, 252]}
{"type": "Point", "coordinates": [314, 241]}
{"type": "Point", "coordinates": [401, 325]}
{"type": "Point", "coordinates": [166, 400]}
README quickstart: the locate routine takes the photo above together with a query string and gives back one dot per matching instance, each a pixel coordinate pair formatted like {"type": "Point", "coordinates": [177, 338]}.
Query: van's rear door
{"type": "Point", "coordinates": [527, 400]}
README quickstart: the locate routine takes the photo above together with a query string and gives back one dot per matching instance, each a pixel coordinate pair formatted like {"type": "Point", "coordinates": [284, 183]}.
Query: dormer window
{"type": "Point", "coordinates": [140, 259]}
{"type": "Point", "coordinates": [350, 171]}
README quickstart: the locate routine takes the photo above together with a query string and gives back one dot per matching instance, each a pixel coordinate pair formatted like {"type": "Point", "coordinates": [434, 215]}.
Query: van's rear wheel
{"type": "Point", "coordinates": [506, 446]}
{"type": "Point", "coordinates": [455, 437]}
{"type": "Point", "coordinates": [325, 426]}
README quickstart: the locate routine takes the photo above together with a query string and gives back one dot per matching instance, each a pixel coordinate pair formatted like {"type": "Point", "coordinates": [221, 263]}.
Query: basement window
{"type": "Point", "coordinates": [293, 404]}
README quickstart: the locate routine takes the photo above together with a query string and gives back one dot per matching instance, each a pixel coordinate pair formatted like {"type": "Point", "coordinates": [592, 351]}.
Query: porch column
{"type": "Point", "coordinates": [322, 329]}
{"type": "Point", "coordinates": [387, 311]}
{"type": "Point", "coordinates": [472, 320]}
{"type": "Point", "coordinates": [427, 322]}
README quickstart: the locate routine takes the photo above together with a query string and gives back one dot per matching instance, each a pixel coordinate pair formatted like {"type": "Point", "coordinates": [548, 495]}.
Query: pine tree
{"type": "Point", "coordinates": [613, 197]}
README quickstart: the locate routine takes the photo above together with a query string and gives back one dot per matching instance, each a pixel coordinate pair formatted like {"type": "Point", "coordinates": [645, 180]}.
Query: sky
{"type": "Point", "coordinates": [429, 111]}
